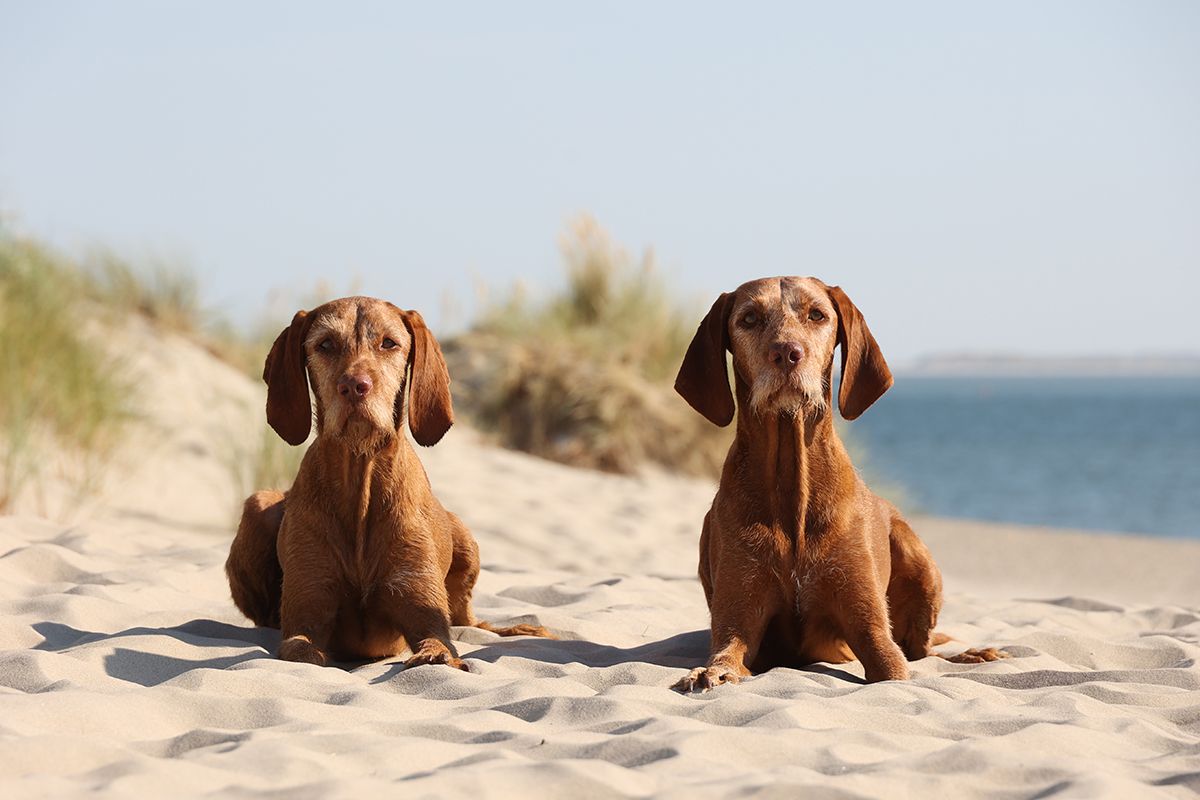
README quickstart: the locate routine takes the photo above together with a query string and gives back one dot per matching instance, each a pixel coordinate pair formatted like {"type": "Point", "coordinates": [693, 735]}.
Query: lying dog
{"type": "Point", "coordinates": [359, 558]}
{"type": "Point", "coordinates": [800, 562]}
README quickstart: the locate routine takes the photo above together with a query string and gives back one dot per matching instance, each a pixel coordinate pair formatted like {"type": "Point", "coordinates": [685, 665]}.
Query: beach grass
{"type": "Point", "coordinates": [584, 375]}
{"type": "Point", "coordinates": [168, 295]}
{"type": "Point", "coordinates": [64, 391]}
{"type": "Point", "coordinates": [259, 462]}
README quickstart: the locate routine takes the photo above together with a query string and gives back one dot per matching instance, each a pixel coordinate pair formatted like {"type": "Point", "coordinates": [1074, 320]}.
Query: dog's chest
{"type": "Point", "coordinates": [816, 578]}
{"type": "Point", "coordinates": [365, 560]}
{"type": "Point", "coordinates": [362, 586]}
{"type": "Point", "coordinates": [385, 571]}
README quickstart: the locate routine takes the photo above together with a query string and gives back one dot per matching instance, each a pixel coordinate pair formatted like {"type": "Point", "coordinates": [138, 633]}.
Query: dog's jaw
{"type": "Point", "coordinates": [795, 394]}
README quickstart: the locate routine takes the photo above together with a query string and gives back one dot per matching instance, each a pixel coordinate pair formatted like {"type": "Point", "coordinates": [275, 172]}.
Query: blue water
{"type": "Point", "coordinates": [1100, 453]}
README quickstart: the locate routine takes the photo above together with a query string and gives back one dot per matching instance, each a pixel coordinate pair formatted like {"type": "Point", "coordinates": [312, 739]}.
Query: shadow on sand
{"type": "Point", "coordinates": [150, 669]}
{"type": "Point", "coordinates": [682, 651]}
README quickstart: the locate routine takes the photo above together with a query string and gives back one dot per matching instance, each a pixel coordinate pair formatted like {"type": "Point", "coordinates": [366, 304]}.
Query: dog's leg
{"type": "Point", "coordinates": [739, 619]}
{"type": "Point", "coordinates": [914, 592]}
{"type": "Point", "coordinates": [421, 611]}
{"type": "Point", "coordinates": [460, 583]}
{"type": "Point", "coordinates": [866, 629]}
{"type": "Point", "coordinates": [464, 571]}
{"type": "Point", "coordinates": [255, 577]}
{"type": "Point", "coordinates": [309, 609]}
{"type": "Point", "coordinates": [915, 599]}
{"type": "Point", "coordinates": [426, 625]}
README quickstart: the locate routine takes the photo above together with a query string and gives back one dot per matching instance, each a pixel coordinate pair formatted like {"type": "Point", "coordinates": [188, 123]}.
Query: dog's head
{"type": "Point", "coordinates": [782, 333]}
{"type": "Point", "coordinates": [358, 353]}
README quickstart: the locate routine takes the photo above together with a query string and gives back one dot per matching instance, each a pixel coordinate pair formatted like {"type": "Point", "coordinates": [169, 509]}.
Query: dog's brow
{"type": "Point", "coordinates": [751, 304]}
{"type": "Point", "coordinates": [322, 328]}
{"type": "Point", "coordinates": [761, 298]}
{"type": "Point", "coordinates": [800, 298]}
{"type": "Point", "coordinates": [368, 327]}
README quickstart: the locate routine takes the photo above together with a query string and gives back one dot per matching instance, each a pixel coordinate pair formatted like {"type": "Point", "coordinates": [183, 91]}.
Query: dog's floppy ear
{"type": "Point", "coordinates": [865, 375]}
{"type": "Point", "coordinates": [430, 413]}
{"type": "Point", "coordinates": [289, 410]}
{"type": "Point", "coordinates": [703, 378]}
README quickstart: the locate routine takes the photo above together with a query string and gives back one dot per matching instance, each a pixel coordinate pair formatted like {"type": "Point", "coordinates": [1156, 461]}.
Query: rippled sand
{"type": "Point", "coordinates": [125, 670]}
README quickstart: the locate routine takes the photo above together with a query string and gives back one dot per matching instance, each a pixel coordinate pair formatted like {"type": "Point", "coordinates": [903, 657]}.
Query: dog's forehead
{"type": "Point", "coordinates": [352, 316]}
{"type": "Point", "coordinates": [336, 314]}
{"type": "Point", "coordinates": [789, 288]}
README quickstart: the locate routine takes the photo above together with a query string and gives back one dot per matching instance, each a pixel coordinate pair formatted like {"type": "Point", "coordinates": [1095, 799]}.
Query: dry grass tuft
{"type": "Point", "coordinates": [258, 463]}
{"type": "Point", "coordinates": [585, 376]}
{"type": "Point", "coordinates": [62, 391]}
{"type": "Point", "coordinates": [165, 294]}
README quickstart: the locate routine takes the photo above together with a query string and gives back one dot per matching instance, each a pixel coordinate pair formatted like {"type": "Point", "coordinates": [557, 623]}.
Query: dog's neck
{"type": "Point", "coordinates": [385, 471]}
{"type": "Point", "coordinates": [364, 485]}
{"type": "Point", "coordinates": [788, 463]}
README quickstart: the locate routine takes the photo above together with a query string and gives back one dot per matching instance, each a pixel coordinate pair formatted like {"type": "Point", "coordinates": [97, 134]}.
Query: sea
{"type": "Point", "coordinates": [1107, 454]}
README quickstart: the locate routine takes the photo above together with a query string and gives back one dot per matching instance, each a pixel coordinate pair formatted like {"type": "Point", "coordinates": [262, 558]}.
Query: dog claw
{"type": "Point", "coordinates": [423, 657]}
{"type": "Point", "coordinates": [702, 679]}
{"type": "Point", "coordinates": [300, 649]}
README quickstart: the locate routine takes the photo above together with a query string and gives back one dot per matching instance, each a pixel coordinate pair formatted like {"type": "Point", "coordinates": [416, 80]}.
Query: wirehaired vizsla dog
{"type": "Point", "coordinates": [800, 562]}
{"type": "Point", "coordinates": [359, 559]}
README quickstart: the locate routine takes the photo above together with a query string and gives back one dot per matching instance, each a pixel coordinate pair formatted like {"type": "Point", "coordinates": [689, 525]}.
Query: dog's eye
{"type": "Point", "coordinates": [326, 346]}
{"type": "Point", "coordinates": [750, 319]}
{"type": "Point", "coordinates": [387, 344]}
{"type": "Point", "coordinates": [815, 315]}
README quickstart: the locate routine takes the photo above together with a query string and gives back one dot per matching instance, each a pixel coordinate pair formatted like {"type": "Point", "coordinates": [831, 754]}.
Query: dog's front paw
{"type": "Point", "coordinates": [434, 652]}
{"type": "Point", "coordinates": [299, 648]}
{"type": "Point", "coordinates": [701, 679]}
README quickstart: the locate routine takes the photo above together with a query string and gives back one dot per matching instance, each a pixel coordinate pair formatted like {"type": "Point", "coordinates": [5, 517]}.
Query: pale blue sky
{"type": "Point", "coordinates": [1020, 177]}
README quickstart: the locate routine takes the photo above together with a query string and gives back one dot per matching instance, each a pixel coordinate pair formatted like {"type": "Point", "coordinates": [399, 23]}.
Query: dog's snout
{"type": "Point", "coordinates": [354, 387]}
{"type": "Point", "coordinates": [786, 355]}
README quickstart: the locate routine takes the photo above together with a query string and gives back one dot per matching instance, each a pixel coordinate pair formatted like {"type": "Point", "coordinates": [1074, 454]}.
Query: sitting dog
{"type": "Point", "coordinates": [359, 559]}
{"type": "Point", "coordinates": [800, 562]}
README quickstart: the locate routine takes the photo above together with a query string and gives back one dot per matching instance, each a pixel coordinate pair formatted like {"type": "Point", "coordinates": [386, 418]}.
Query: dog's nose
{"type": "Point", "coordinates": [786, 355]}
{"type": "Point", "coordinates": [354, 386]}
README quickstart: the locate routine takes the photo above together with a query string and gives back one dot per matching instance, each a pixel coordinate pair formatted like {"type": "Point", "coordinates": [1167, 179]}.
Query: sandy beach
{"type": "Point", "coordinates": [125, 669]}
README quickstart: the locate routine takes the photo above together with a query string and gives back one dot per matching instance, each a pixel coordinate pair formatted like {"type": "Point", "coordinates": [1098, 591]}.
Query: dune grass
{"type": "Point", "coordinates": [61, 389]}
{"type": "Point", "coordinates": [255, 463]}
{"type": "Point", "coordinates": [611, 308]}
{"type": "Point", "coordinates": [584, 376]}
{"type": "Point", "coordinates": [166, 294]}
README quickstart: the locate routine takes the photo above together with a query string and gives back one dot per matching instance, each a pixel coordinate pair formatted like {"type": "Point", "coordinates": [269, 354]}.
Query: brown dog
{"type": "Point", "coordinates": [359, 558]}
{"type": "Point", "coordinates": [800, 562]}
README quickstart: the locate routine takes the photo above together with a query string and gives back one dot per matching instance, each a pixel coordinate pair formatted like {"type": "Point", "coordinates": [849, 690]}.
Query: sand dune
{"type": "Point", "coordinates": [126, 671]}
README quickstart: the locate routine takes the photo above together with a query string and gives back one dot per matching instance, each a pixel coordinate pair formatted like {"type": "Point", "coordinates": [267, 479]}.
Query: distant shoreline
{"type": "Point", "coordinates": [1011, 366]}
{"type": "Point", "coordinates": [985, 557]}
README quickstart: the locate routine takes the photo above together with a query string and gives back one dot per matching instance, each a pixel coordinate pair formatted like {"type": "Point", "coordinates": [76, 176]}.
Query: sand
{"type": "Point", "coordinates": [125, 670]}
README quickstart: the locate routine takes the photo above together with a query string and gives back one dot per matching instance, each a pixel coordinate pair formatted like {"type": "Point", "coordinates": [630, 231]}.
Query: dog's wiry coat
{"type": "Point", "coordinates": [359, 559]}
{"type": "Point", "coordinates": [799, 561]}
